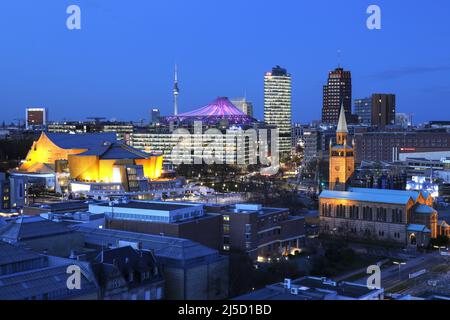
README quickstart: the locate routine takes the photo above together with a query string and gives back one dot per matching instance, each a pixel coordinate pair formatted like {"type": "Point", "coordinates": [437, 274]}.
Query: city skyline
{"type": "Point", "coordinates": [101, 70]}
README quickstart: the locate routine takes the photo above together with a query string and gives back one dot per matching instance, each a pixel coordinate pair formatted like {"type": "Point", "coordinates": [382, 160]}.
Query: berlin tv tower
{"type": "Point", "coordinates": [176, 92]}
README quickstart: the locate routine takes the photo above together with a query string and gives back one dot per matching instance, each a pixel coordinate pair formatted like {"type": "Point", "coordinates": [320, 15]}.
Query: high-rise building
{"type": "Point", "coordinates": [337, 92]}
{"type": "Point", "coordinates": [342, 159]}
{"type": "Point", "coordinates": [243, 105]}
{"type": "Point", "coordinates": [277, 105]}
{"type": "Point", "coordinates": [383, 110]}
{"type": "Point", "coordinates": [156, 116]}
{"type": "Point", "coordinates": [36, 117]}
{"type": "Point", "coordinates": [363, 110]}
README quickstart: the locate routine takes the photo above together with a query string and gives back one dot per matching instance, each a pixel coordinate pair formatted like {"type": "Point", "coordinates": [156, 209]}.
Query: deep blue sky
{"type": "Point", "coordinates": [121, 63]}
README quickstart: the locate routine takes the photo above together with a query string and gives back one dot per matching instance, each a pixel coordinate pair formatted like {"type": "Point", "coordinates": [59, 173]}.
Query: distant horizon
{"type": "Point", "coordinates": [120, 64]}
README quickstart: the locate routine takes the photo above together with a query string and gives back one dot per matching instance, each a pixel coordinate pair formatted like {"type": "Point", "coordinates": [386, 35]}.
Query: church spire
{"type": "Point", "coordinates": [342, 124]}
{"type": "Point", "coordinates": [342, 129]}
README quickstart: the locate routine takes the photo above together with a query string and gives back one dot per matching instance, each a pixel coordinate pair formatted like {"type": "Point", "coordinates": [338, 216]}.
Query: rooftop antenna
{"type": "Point", "coordinates": [339, 56]}
{"type": "Point", "coordinates": [176, 91]}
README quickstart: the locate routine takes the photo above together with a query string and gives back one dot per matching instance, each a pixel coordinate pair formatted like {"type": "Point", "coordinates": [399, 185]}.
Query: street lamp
{"type": "Point", "coordinates": [440, 248]}
{"type": "Point", "coordinates": [400, 264]}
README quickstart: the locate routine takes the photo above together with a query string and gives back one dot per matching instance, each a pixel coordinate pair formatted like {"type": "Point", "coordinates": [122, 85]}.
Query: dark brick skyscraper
{"type": "Point", "coordinates": [337, 92]}
{"type": "Point", "coordinates": [383, 110]}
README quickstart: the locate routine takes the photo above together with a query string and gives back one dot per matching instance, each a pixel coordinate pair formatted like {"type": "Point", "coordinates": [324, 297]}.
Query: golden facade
{"type": "Point", "coordinates": [383, 215]}
{"type": "Point", "coordinates": [89, 157]}
{"type": "Point", "coordinates": [342, 159]}
{"type": "Point", "coordinates": [45, 151]}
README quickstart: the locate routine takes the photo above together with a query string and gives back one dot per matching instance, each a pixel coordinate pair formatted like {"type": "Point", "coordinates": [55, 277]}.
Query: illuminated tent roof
{"type": "Point", "coordinates": [219, 109]}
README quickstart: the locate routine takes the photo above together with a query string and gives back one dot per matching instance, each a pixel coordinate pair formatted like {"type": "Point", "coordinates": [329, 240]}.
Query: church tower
{"type": "Point", "coordinates": [342, 160]}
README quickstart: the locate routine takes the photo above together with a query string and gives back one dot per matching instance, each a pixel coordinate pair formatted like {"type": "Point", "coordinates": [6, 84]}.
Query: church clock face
{"type": "Point", "coordinates": [337, 168]}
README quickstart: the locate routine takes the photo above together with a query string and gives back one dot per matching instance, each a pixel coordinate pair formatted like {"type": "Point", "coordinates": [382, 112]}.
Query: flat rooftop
{"type": "Point", "coordinates": [160, 206]}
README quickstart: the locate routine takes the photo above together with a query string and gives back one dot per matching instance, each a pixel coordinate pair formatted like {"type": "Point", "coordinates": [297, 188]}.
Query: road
{"type": "Point", "coordinates": [391, 276]}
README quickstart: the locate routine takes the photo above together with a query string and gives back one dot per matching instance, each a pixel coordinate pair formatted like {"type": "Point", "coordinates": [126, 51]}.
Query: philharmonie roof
{"type": "Point", "coordinates": [116, 150]}
{"type": "Point", "coordinates": [80, 141]}
{"type": "Point", "coordinates": [212, 113]}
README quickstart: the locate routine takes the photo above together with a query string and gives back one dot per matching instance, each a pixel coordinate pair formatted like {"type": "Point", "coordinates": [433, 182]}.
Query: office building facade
{"type": "Point", "coordinates": [387, 145]}
{"type": "Point", "coordinates": [278, 105]}
{"type": "Point", "coordinates": [337, 92]}
{"type": "Point", "coordinates": [36, 117]}
{"type": "Point", "coordinates": [363, 110]}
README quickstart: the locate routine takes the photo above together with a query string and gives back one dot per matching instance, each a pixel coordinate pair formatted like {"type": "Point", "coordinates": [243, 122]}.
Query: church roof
{"type": "Point", "coordinates": [367, 197]}
{"type": "Point", "coordinates": [80, 141]}
{"type": "Point", "coordinates": [443, 224]}
{"type": "Point", "coordinates": [424, 209]}
{"type": "Point", "coordinates": [411, 193]}
{"type": "Point", "coordinates": [418, 228]}
{"type": "Point", "coordinates": [342, 124]}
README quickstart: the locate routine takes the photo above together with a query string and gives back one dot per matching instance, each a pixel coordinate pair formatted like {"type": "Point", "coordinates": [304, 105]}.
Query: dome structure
{"type": "Point", "coordinates": [213, 113]}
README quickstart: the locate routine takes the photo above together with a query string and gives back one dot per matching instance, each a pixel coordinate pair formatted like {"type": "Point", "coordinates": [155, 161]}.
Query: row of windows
{"type": "Point", "coordinates": [379, 214]}
{"type": "Point", "coordinates": [365, 232]}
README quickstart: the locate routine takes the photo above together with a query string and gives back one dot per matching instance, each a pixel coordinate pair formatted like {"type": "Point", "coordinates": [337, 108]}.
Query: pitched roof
{"type": "Point", "coordinates": [126, 258]}
{"type": "Point", "coordinates": [418, 228]}
{"type": "Point", "coordinates": [25, 228]}
{"type": "Point", "coordinates": [411, 193]}
{"type": "Point", "coordinates": [11, 254]}
{"type": "Point", "coordinates": [443, 223]}
{"type": "Point", "coordinates": [366, 197]}
{"type": "Point", "coordinates": [40, 281]}
{"type": "Point", "coordinates": [424, 209]}
{"type": "Point", "coordinates": [162, 246]}
{"type": "Point", "coordinates": [80, 141]}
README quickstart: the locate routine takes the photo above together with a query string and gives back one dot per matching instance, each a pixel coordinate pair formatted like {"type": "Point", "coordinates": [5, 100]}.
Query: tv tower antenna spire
{"type": "Point", "coordinates": [176, 92]}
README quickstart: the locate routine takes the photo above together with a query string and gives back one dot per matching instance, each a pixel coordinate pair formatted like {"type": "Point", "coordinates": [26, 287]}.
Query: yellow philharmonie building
{"type": "Point", "coordinates": [93, 159]}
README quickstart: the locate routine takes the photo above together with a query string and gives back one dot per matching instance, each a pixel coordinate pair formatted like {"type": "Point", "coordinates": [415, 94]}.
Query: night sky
{"type": "Point", "coordinates": [120, 64]}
